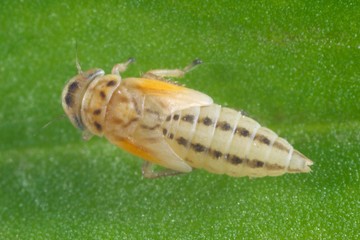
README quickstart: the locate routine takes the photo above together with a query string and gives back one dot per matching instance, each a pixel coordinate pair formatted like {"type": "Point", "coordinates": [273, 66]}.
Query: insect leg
{"type": "Point", "coordinates": [121, 67]}
{"type": "Point", "coordinates": [148, 171]}
{"type": "Point", "coordinates": [161, 73]}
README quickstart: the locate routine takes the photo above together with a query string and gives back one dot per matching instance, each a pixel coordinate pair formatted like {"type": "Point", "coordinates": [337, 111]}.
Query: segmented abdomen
{"type": "Point", "coordinates": [222, 140]}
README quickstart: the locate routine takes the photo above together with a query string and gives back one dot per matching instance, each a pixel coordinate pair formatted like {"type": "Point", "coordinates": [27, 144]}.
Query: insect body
{"type": "Point", "coordinates": [174, 126]}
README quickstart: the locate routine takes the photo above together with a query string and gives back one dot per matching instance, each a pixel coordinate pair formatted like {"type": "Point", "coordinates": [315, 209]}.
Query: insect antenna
{"type": "Point", "coordinates": [59, 117]}
{"type": "Point", "coordinates": [78, 67]}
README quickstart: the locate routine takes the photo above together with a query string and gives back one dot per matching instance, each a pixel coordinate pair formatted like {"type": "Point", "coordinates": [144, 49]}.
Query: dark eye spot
{"type": "Point", "coordinates": [73, 87]}
{"type": "Point", "coordinates": [69, 99]}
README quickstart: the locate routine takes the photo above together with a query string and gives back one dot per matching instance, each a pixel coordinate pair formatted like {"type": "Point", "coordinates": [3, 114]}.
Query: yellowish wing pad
{"type": "Point", "coordinates": [174, 97]}
{"type": "Point", "coordinates": [166, 157]}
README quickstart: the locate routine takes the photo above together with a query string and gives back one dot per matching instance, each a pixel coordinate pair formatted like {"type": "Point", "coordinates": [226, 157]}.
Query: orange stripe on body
{"type": "Point", "coordinates": [137, 151]}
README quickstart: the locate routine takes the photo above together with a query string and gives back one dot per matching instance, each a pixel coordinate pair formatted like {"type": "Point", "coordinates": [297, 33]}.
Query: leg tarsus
{"type": "Point", "coordinates": [121, 67]}
{"type": "Point", "coordinates": [148, 172]}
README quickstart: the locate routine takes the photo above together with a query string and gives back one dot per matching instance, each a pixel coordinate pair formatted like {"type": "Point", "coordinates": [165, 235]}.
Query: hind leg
{"type": "Point", "coordinates": [160, 74]}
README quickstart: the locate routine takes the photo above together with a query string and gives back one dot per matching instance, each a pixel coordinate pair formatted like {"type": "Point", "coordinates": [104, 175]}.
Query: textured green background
{"type": "Point", "coordinates": [291, 65]}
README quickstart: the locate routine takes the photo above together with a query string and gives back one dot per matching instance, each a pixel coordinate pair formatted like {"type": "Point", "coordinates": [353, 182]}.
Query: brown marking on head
{"type": "Point", "coordinates": [188, 118]}
{"type": "Point", "coordinates": [168, 118]}
{"type": "Point", "coordinates": [223, 126]}
{"type": "Point", "coordinates": [97, 112]}
{"type": "Point", "coordinates": [262, 139]}
{"type": "Point", "coordinates": [176, 117]}
{"type": "Point", "coordinates": [102, 95]}
{"type": "Point", "coordinates": [171, 135]}
{"type": "Point", "coordinates": [98, 126]}
{"type": "Point", "coordinates": [69, 100]}
{"type": "Point", "coordinates": [72, 88]}
{"type": "Point", "coordinates": [242, 132]}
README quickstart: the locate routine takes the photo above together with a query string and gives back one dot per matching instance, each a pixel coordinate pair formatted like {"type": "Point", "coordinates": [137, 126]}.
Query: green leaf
{"type": "Point", "coordinates": [291, 65]}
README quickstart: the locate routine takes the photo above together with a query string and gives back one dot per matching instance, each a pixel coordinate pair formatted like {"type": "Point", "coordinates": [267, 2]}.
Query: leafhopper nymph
{"type": "Point", "coordinates": [174, 126]}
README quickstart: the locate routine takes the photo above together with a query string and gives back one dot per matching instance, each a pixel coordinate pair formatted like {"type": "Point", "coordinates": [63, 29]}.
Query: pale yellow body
{"type": "Point", "coordinates": [176, 127]}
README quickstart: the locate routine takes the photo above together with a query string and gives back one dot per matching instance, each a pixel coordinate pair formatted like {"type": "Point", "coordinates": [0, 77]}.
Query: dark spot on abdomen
{"type": "Point", "coordinates": [223, 126]}
{"type": "Point", "coordinates": [198, 147]}
{"type": "Point", "coordinates": [207, 121]}
{"type": "Point", "coordinates": [242, 132]}
{"type": "Point", "coordinates": [234, 160]}
{"type": "Point", "coordinates": [280, 146]}
{"type": "Point", "coordinates": [262, 139]}
{"type": "Point", "coordinates": [255, 163]}
{"type": "Point", "coordinates": [215, 153]}
{"type": "Point", "coordinates": [188, 118]}
{"type": "Point", "coordinates": [182, 141]}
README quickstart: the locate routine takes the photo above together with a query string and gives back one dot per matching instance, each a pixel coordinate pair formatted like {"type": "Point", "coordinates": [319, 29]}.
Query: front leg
{"type": "Point", "coordinates": [121, 67]}
{"type": "Point", "coordinates": [160, 74]}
